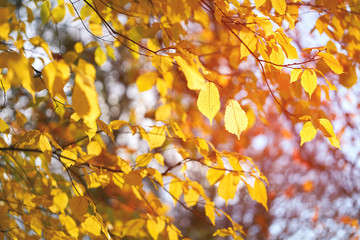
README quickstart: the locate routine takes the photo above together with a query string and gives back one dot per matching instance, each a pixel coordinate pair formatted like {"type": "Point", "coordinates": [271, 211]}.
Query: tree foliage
{"type": "Point", "coordinates": [117, 114]}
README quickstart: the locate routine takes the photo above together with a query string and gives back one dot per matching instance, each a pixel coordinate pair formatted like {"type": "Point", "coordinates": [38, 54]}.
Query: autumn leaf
{"type": "Point", "coordinates": [309, 81]}
{"type": "Point", "coordinates": [258, 192]}
{"type": "Point", "coordinates": [92, 225]}
{"type": "Point", "coordinates": [307, 133]}
{"type": "Point", "coordinates": [56, 74]}
{"type": "Point", "coordinates": [146, 81]}
{"type": "Point", "coordinates": [175, 189]}
{"type": "Point", "coordinates": [259, 3]}
{"type": "Point", "coordinates": [157, 137]}
{"type": "Point", "coordinates": [235, 118]}
{"type": "Point", "coordinates": [191, 196]}
{"type": "Point", "coordinates": [295, 74]}
{"type": "Point", "coordinates": [332, 62]}
{"type": "Point", "coordinates": [228, 185]}
{"type": "Point", "coordinates": [155, 227]}
{"type": "Point", "coordinates": [279, 6]}
{"type": "Point", "coordinates": [195, 81]}
{"type": "Point", "coordinates": [84, 98]}
{"type": "Point", "coordinates": [100, 56]}
{"type": "Point", "coordinates": [208, 101]}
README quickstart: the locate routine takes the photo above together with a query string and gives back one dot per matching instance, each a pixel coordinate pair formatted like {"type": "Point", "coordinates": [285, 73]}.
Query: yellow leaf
{"type": "Point", "coordinates": [195, 81]}
{"type": "Point", "coordinates": [44, 143]}
{"type": "Point", "coordinates": [258, 192]}
{"type": "Point", "coordinates": [105, 128]}
{"type": "Point", "coordinates": [70, 56]}
{"type": "Point", "coordinates": [332, 62]}
{"type": "Point", "coordinates": [60, 200]}
{"type": "Point", "coordinates": [45, 11]}
{"type": "Point", "coordinates": [15, 62]}
{"type": "Point", "coordinates": [210, 211]}
{"type": "Point", "coordinates": [277, 57]}
{"type": "Point", "coordinates": [36, 225]}
{"type": "Point", "coordinates": [4, 31]}
{"type": "Point", "coordinates": [146, 81]}
{"type": "Point", "coordinates": [156, 137]}
{"type": "Point", "coordinates": [335, 142]}
{"type": "Point", "coordinates": [162, 63]}
{"type": "Point", "coordinates": [327, 129]}
{"type": "Point", "coordinates": [117, 124]}
{"type": "Point", "coordinates": [92, 225]}
{"type": "Point", "coordinates": [160, 158]}
{"type": "Point", "coordinates": [110, 52]}
{"type": "Point", "coordinates": [250, 40]}
{"type": "Point", "coordinates": [58, 13]}
{"type": "Point", "coordinates": [155, 227]}
{"type": "Point", "coordinates": [4, 128]}
{"type": "Point", "coordinates": [191, 197]}
{"type": "Point", "coordinates": [79, 205]}
{"type": "Point", "coordinates": [84, 98]}
{"type": "Point", "coordinates": [307, 133]}
{"type": "Point", "coordinates": [235, 118]}
{"type": "Point", "coordinates": [144, 159]}
{"type": "Point", "coordinates": [279, 6]}
{"type": "Point", "coordinates": [163, 112]}
{"type": "Point", "coordinates": [133, 227]}
{"type": "Point", "coordinates": [259, 3]}
{"type": "Point", "coordinates": [173, 232]}
{"type": "Point", "coordinates": [309, 81]}
{"type": "Point", "coordinates": [208, 101]}
{"type": "Point", "coordinates": [176, 189]}
{"type": "Point", "coordinates": [294, 75]}
{"type": "Point", "coordinates": [285, 43]}
{"type": "Point", "coordinates": [214, 174]}
{"type": "Point", "coordinates": [94, 148]}
{"type": "Point", "coordinates": [78, 47]}
{"type": "Point", "coordinates": [68, 158]}
{"type": "Point", "coordinates": [100, 56]}
{"type": "Point", "coordinates": [202, 146]}
{"type": "Point", "coordinates": [70, 225]}
{"type": "Point", "coordinates": [331, 86]}
{"type": "Point", "coordinates": [227, 186]}
{"type": "Point", "coordinates": [55, 75]}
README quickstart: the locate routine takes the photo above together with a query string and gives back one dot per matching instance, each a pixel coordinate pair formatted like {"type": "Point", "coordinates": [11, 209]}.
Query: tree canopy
{"type": "Point", "coordinates": [179, 119]}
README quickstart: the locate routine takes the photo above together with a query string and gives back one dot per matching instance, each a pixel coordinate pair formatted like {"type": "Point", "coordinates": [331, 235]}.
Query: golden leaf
{"type": "Point", "coordinates": [309, 81]}
{"type": "Point", "coordinates": [195, 81]}
{"type": "Point", "coordinates": [144, 159]}
{"type": "Point", "coordinates": [294, 75]}
{"type": "Point", "coordinates": [58, 13]}
{"type": "Point", "coordinates": [208, 101]}
{"type": "Point", "coordinates": [94, 148]}
{"type": "Point", "coordinates": [228, 185]}
{"type": "Point", "coordinates": [176, 189]}
{"type": "Point", "coordinates": [55, 75]}
{"type": "Point", "coordinates": [156, 137]}
{"type": "Point", "coordinates": [70, 225]}
{"type": "Point", "coordinates": [191, 196]}
{"type": "Point", "coordinates": [258, 193]}
{"type": "Point", "coordinates": [100, 56]}
{"type": "Point", "coordinates": [332, 62]}
{"type": "Point", "coordinates": [279, 6]}
{"type": "Point", "coordinates": [92, 225]}
{"type": "Point", "coordinates": [146, 81]}
{"type": "Point", "coordinates": [210, 211]}
{"type": "Point", "coordinates": [155, 227]}
{"type": "Point", "coordinates": [235, 118]}
{"type": "Point", "coordinates": [307, 133]}
{"type": "Point", "coordinates": [162, 63]}
{"type": "Point", "coordinates": [84, 97]}
{"type": "Point", "coordinates": [259, 3]}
